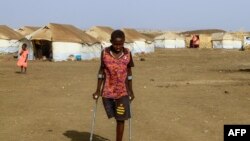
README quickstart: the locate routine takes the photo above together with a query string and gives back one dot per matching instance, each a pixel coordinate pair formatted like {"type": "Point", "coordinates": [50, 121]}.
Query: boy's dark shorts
{"type": "Point", "coordinates": [118, 108]}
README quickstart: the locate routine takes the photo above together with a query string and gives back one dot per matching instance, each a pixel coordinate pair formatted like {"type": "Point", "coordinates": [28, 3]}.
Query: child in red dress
{"type": "Point", "coordinates": [23, 59]}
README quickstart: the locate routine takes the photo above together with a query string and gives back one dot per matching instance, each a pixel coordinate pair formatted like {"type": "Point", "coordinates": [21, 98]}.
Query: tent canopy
{"type": "Point", "coordinates": [133, 35]}
{"type": "Point", "coordinates": [101, 33]}
{"type": "Point", "coordinates": [9, 34]}
{"type": "Point", "coordinates": [62, 33]}
{"type": "Point", "coordinates": [223, 36]}
{"type": "Point", "coordinates": [26, 30]}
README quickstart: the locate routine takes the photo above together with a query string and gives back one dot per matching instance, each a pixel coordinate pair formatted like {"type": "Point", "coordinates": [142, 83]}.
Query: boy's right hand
{"type": "Point", "coordinates": [96, 95]}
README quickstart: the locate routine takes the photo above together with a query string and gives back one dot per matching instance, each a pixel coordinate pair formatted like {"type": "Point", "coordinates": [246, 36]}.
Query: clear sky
{"type": "Point", "coordinates": [144, 14]}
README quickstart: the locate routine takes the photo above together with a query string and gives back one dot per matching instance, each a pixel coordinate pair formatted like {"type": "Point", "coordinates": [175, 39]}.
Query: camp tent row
{"type": "Point", "coordinates": [135, 41]}
{"type": "Point", "coordinates": [212, 38]}
{"type": "Point", "coordinates": [25, 31]}
{"type": "Point", "coordinates": [215, 40]}
{"type": "Point", "coordinates": [59, 41]}
{"type": "Point", "coordinates": [9, 39]}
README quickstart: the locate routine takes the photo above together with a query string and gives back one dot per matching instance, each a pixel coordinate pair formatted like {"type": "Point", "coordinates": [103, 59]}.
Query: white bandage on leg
{"type": "Point", "coordinates": [130, 77]}
{"type": "Point", "coordinates": [100, 76]}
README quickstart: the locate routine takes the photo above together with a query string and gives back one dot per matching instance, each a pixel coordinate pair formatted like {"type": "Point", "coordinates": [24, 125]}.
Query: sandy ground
{"type": "Point", "coordinates": [181, 95]}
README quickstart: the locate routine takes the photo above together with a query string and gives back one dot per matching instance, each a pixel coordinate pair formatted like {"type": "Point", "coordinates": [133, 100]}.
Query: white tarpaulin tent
{"type": "Point", "coordinates": [9, 40]}
{"type": "Point", "coordinates": [67, 40]}
{"type": "Point", "coordinates": [169, 40]}
{"type": "Point", "coordinates": [138, 43]}
{"type": "Point", "coordinates": [25, 31]}
{"type": "Point", "coordinates": [225, 40]}
{"type": "Point", "coordinates": [102, 34]}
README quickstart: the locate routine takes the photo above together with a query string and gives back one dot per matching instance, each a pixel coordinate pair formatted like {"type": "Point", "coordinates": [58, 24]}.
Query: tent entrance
{"type": "Point", "coordinates": [42, 49]}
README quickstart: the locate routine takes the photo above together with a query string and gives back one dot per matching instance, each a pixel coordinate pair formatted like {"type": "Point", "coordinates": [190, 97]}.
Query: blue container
{"type": "Point", "coordinates": [78, 57]}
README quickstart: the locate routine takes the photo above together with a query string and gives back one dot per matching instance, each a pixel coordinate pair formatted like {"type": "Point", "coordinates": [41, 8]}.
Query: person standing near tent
{"type": "Point", "coordinates": [115, 78]}
{"type": "Point", "coordinates": [195, 41]}
{"type": "Point", "coordinates": [22, 61]}
{"type": "Point", "coordinates": [191, 45]}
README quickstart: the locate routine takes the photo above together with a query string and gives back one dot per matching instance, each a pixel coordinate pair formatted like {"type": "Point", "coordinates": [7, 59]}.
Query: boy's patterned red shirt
{"type": "Point", "coordinates": [115, 73]}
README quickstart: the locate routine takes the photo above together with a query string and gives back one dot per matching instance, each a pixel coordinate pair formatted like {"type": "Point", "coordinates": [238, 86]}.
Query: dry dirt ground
{"type": "Point", "coordinates": [181, 95]}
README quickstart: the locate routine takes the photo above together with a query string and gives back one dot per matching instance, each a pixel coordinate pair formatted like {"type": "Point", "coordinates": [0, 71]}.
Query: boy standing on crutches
{"type": "Point", "coordinates": [115, 81]}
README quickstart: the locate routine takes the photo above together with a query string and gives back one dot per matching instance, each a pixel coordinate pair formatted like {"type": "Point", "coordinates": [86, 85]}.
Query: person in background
{"type": "Point", "coordinates": [195, 41]}
{"type": "Point", "coordinates": [23, 59]}
{"type": "Point", "coordinates": [191, 45]}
